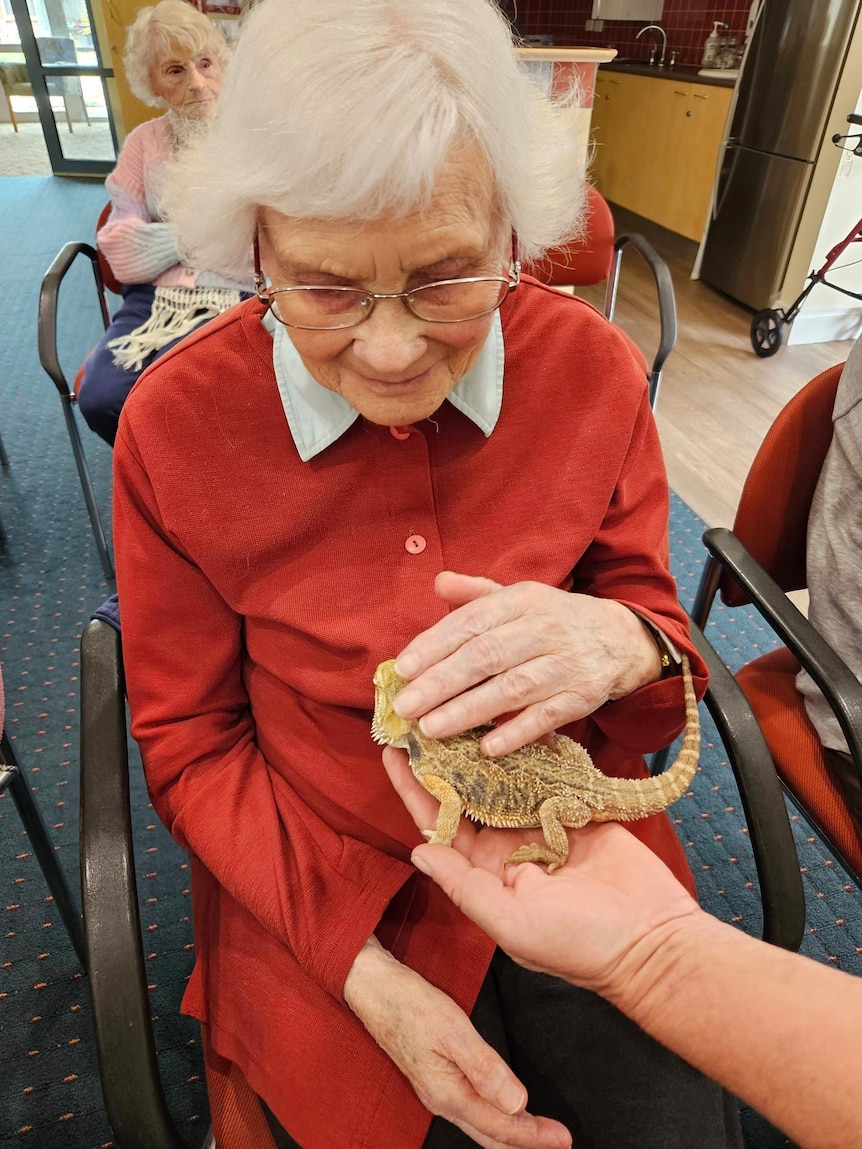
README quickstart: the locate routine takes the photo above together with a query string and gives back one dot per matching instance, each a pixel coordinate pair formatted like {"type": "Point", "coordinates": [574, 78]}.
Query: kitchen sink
{"type": "Point", "coordinates": [631, 62]}
{"type": "Point", "coordinates": [644, 67]}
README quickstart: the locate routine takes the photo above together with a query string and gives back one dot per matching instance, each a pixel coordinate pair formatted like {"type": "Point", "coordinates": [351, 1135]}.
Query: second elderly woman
{"type": "Point", "coordinates": [174, 58]}
{"type": "Point", "coordinates": [401, 447]}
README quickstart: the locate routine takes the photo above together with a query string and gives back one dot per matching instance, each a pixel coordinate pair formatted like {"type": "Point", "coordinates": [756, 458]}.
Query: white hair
{"type": "Point", "coordinates": [167, 27]}
{"type": "Point", "coordinates": [335, 110]}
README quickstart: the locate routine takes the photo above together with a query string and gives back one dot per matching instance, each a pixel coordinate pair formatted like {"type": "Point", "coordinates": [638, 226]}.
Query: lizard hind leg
{"type": "Point", "coordinates": [449, 815]}
{"type": "Point", "coordinates": [554, 815]}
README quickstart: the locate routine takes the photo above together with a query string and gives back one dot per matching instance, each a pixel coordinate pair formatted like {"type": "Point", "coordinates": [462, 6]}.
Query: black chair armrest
{"type": "Point", "coordinates": [134, 1099]}
{"type": "Point", "coordinates": [48, 296]}
{"type": "Point", "coordinates": [840, 686]}
{"type": "Point", "coordinates": [762, 797]}
{"type": "Point", "coordinates": [666, 300]}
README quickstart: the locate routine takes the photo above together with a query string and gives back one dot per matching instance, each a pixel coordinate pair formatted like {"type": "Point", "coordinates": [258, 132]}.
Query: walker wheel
{"type": "Point", "coordinates": [766, 332]}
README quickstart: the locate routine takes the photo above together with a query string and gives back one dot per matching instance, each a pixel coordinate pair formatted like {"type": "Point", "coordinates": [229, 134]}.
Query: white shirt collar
{"type": "Point", "coordinates": [317, 416]}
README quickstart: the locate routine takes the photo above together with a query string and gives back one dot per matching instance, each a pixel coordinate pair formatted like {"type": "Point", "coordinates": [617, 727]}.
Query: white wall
{"type": "Point", "coordinates": [834, 203]}
{"type": "Point", "coordinates": [827, 314]}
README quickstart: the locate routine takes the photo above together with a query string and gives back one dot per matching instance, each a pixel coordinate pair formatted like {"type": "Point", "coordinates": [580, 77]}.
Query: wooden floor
{"type": "Point", "coordinates": [717, 397]}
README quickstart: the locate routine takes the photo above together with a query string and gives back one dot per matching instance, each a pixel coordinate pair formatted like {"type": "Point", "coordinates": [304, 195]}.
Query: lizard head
{"type": "Point", "coordinates": [386, 727]}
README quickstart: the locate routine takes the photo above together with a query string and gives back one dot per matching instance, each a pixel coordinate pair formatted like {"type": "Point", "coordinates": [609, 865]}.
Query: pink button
{"type": "Point", "coordinates": [415, 545]}
{"type": "Point", "coordinates": [401, 432]}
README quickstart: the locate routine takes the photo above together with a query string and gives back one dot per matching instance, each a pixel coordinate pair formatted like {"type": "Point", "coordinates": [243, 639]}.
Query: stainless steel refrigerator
{"type": "Point", "coordinates": [784, 95]}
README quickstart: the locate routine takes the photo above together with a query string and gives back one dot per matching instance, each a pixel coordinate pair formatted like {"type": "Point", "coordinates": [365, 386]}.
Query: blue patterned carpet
{"type": "Point", "coordinates": [50, 582]}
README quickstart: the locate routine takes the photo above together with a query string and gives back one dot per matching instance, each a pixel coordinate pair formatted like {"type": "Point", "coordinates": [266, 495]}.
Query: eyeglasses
{"type": "Point", "coordinates": [334, 308]}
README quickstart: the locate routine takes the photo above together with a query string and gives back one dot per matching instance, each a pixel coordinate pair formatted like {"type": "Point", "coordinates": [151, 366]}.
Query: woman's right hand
{"type": "Point", "coordinates": [455, 1074]}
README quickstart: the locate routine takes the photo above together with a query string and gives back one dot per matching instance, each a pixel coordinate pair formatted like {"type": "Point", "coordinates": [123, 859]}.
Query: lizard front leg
{"type": "Point", "coordinates": [449, 816]}
{"type": "Point", "coordinates": [554, 815]}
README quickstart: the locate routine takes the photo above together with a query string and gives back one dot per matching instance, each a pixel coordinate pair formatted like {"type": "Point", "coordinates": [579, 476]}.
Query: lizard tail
{"type": "Point", "coordinates": [636, 798]}
{"type": "Point", "coordinates": [675, 780]}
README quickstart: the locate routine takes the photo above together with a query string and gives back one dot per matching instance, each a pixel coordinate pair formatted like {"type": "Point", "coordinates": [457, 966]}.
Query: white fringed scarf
{"type": "Point", "coordinates": [176, 312]}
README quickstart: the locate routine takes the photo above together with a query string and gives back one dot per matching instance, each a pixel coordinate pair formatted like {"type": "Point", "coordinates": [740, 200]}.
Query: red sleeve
{"type": "Point", "coordinates": [207, 778]}
{"type": "Point", "coordinates": [628, 560]}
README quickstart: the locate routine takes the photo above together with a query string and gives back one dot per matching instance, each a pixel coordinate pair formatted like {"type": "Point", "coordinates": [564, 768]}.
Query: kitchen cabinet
{"type": "Point", "coordinates": [656, 145]}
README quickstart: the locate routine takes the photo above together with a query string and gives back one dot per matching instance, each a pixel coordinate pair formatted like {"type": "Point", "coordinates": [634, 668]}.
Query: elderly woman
{"type": "Point", "coordinates": [402, 447]}
{"type": "Point", "coordinates": [174, 58]}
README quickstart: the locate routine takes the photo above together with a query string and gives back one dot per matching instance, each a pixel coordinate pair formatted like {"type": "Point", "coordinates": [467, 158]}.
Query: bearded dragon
{"type": "Point", "coordinates": [537, 786]}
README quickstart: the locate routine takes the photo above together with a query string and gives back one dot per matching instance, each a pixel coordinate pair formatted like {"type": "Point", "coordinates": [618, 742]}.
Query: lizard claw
{"type": "Point", "coordinates": [435, 839]}
{"type": "Point", "coordinates": [535, 852]}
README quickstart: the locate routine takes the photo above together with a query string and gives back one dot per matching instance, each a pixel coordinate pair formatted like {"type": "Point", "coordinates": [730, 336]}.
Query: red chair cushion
{"type": "Point", "coordinates": [769, 683]}
{"type": "Point", "coordinates": [584, 261]}
{"type": "Point", "coordinates": [587, 260]}
{"type": "Point", "coordinates": [772, 516]}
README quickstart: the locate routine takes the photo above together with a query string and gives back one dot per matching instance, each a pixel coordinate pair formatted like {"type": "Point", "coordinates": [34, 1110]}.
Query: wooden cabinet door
{"type": "Point", "coordinates": [656, 146]}
{"type": "Point", "coordinates": [610, 105]}
{"type": "Point", "coordinates": [632, 137]}
{"type": "Point", "coordinates": [663, 113]}
{"type": "Point", "coordinates": [697, 153]}
{"type": "Point", "coordinates": [598, 123]}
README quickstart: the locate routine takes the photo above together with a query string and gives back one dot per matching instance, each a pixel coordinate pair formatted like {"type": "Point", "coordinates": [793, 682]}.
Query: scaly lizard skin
{"type": "Point", "coordinates": [549, 786]}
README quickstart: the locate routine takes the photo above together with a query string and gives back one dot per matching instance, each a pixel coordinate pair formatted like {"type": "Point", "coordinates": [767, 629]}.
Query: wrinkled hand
{"type": "Point", "coordinates": [552, 656]}
{"type": "Point", "coordinates": [594, 922]}
{"type": "Point", "coordinates": [455, 1073]}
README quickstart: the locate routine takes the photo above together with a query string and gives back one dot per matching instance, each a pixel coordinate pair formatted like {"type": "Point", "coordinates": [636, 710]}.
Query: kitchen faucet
{"type": "Point", "coordinates": [656, 28]}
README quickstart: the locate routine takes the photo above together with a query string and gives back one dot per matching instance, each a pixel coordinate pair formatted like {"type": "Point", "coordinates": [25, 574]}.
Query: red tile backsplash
{"type": "Point", "coordinates": [687, 23]}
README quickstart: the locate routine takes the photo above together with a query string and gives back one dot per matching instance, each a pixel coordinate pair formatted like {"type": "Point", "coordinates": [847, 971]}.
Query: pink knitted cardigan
{"type": "Point", "coordinates": [138, 245]}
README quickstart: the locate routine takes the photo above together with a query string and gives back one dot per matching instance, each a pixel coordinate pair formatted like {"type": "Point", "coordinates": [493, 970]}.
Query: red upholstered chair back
{"type": "Point", "coordinates": [595, 258]}
{"type": "Point", "coordinates": [108, 278]}
{"type": "Point", "coordinates": [586, 260]}
{"type": "Point", "coordinates": [772, 516]}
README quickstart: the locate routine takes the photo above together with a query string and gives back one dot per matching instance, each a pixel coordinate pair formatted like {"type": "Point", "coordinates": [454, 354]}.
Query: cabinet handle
{"type": "Point", "coordinates": [613, 81]}
{"type": "Point", "coordinates": [697, 96]}
{"type": "Point", "coordinates": [677, 92]}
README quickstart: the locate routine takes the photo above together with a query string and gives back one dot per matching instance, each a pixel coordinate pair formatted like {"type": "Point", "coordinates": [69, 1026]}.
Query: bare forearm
{"type": "Point", "coordinates": [370, 963]}
{"type": "Point", "coordinates": [433, 1043]}
{"type": "Point", "coordinates": [778, 1030]}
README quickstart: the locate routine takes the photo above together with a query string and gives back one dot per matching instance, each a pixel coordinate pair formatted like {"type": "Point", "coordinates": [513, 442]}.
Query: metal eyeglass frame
{"type": "Point", "coordinates": [265, 294]}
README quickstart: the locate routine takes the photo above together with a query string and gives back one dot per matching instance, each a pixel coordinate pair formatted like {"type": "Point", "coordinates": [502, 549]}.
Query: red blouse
{"type": "Point", "coordinates": [259, 593]}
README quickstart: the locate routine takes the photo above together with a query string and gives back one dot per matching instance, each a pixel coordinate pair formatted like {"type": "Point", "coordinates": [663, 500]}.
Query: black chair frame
{"type": "Point", "coordinates": [775, 858]}
{"type": "Point", "coordinates": [50, 360]}
{"type": "Point", "coordinates": [666, 303]}
{"type": "Point", "coordinates": [839, 685]}
{"type": "Point", "coordinates": [134, 1098]}
{"type": "Point", "coordinates": [11, 779]}
{"type": "Point", "coordinates": [4, 463]}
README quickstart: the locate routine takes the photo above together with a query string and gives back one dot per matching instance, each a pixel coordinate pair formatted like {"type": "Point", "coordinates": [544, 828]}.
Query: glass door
{"type": "Point", "coordinates": [56, 67]}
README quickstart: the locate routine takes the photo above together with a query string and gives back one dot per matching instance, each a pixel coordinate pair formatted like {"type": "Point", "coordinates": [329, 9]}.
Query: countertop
{"type": "Point", "coordinates": [685, 72]}
{"type": "Point", "coordinates": [567, 52]}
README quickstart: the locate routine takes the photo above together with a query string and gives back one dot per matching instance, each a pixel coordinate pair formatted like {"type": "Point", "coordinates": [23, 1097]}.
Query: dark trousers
{"type": "Point", "coordinates": [588, 1066]}
{"type": "Point", "coordinates": [105, 386]}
